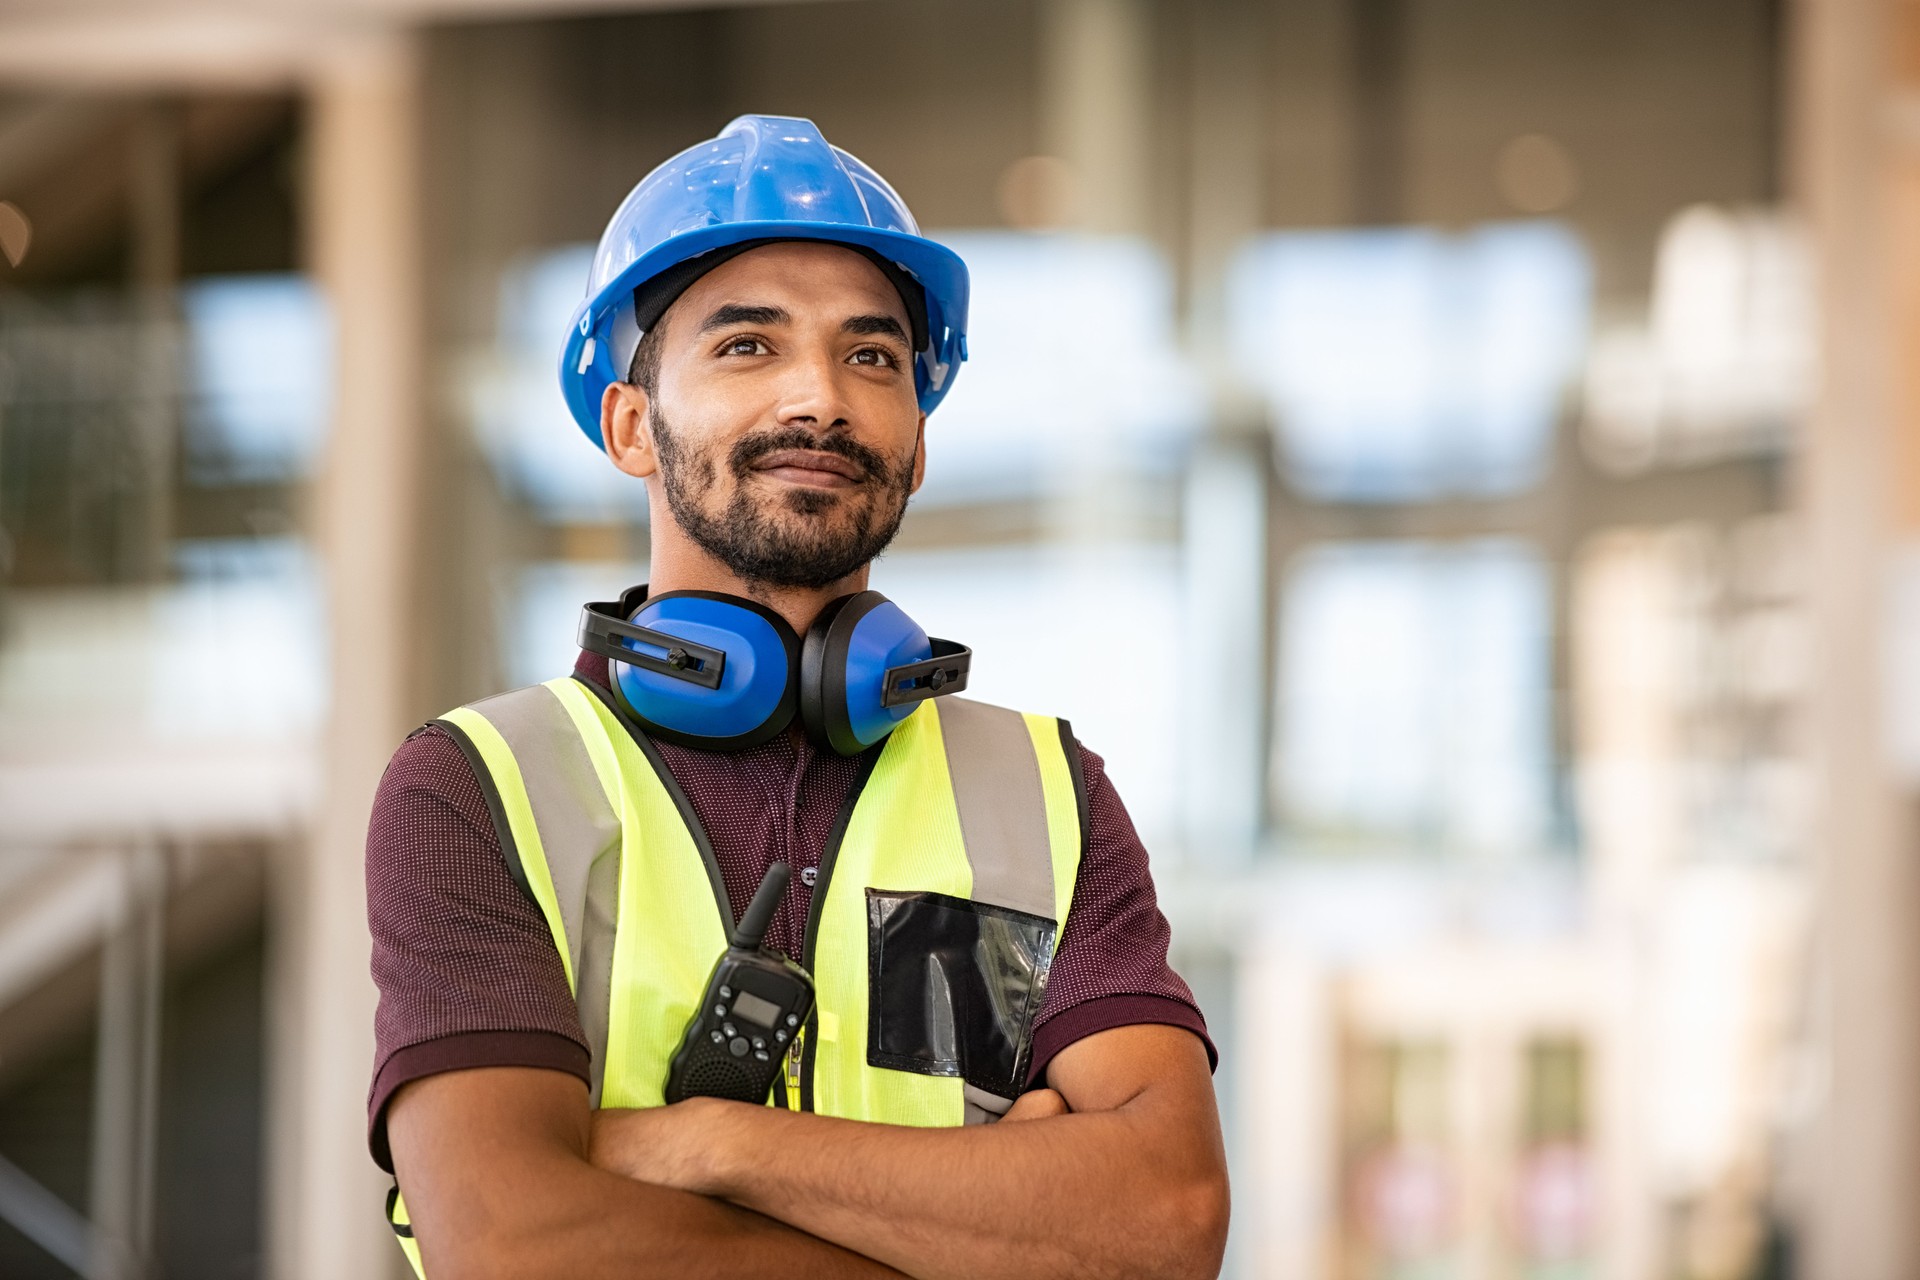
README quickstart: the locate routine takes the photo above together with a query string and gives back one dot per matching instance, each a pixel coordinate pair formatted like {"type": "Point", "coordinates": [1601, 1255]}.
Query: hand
{"type": "Point", "coordinates": [683, 1146]}
{"type": "Point", "coordinates": [1036, 1104]}
{"type": "Point", "coordinates": [672, 1146]}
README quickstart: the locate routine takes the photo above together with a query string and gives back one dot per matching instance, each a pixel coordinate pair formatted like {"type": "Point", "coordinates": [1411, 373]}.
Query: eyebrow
{"type": "Point", "coordinates": [742, 313]}
{"type": "Point", "coordinates": [865, 325]}
{"type": "Point", "coordinates": [749, 313]}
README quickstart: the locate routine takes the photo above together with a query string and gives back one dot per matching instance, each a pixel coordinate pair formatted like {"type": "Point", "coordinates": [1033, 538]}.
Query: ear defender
{"type": "Point", "coordinates": [696, 667]}
{"type": "Point", "coordinates": [721, 673]}
{"type": "Point", "coordinates": [865, 665]}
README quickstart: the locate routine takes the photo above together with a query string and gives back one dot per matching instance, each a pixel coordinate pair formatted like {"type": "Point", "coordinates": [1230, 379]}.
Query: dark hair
{"type": "Point", "coordinates": [644, 371]}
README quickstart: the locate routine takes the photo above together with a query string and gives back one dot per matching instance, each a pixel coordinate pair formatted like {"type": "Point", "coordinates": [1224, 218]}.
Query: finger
{"type": "Point", "coordinates": [1039, 1104]}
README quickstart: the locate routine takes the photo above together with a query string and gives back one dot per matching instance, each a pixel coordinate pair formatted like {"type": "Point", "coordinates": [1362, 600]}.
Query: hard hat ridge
{"type": "Point", "coordinates": [762, 178]}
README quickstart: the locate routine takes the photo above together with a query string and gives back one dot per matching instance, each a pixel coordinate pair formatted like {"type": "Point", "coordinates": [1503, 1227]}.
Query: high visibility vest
{"type": "Point", "coordinates": [941, 894]}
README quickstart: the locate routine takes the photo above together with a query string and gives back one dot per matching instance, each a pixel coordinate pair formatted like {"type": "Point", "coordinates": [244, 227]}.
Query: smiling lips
{"type": "Point", "coordinates": [812, 468]}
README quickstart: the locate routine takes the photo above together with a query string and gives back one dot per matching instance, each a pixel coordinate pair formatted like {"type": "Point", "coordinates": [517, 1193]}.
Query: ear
{"type": "Point", "coordinates": [919, 455]}
{"type": "Point", "coordinates": [624, 427]}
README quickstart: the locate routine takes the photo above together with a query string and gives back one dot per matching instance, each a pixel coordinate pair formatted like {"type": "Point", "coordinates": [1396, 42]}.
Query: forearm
{"type": "Point", "coordinates": [573, 1222]}
{"type": "Point", "coordinates": [1099, 1194]}
{"type": "Point", "coordinates": [1073, 1195]}
{"type": "Point", "coordinates": [494, 1165]}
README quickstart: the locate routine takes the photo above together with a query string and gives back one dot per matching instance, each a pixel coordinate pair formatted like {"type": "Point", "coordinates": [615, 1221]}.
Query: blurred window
{"type": "Point", "coordinates": [1689, 657]}
{"type": "Point", "coordinates": [1414, 694]}
{"type": "Point", "coordinates": [1405, 363]}
{"type": "Point", "coordinates": [240, 641]}
{"type": "Point", "coordinates": [259, 378]}
{"type": "Point", "coordinates": [541, 621]}
{"type": "Point", "coordinates": [1724, 365]}
{"type": "Point", "coordinates": [514, 403]}
{"type": "Point", "coordinates": [1071, 358]}
{"type": "Point", "coordinates": [88, 392]}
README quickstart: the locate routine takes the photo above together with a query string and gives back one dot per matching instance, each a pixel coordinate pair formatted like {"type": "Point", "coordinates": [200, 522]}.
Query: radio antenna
{"type": "Point", "coordinates": [752, 929]}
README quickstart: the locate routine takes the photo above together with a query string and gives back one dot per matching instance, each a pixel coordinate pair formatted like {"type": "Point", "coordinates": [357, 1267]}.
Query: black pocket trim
{"type": "Point", "coordinates": [953, 986]}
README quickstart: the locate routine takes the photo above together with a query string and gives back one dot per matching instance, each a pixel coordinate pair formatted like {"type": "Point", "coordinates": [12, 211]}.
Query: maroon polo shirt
{"type": "Point", "coordinates": [467, 970]}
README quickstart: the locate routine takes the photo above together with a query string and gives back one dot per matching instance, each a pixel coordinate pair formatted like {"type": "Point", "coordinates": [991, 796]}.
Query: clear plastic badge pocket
{"type": "Point", "coordinates": [952, 987]}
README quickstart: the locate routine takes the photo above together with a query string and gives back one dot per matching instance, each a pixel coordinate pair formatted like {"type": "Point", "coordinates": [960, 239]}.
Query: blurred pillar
{"type": "Point", "coordinates": [1229, 110]}
{"type": "Point", "coordinates": [1286, 1187]}
{"type": "Point", "coordinates": [1224, 673]}
{"type": "Point", "coordinates": [364, 219]}
{"type": "Point", "coordinates": [1377, 37]}
{"type": "Point", "coordinates": [154, 187]}
{"type": "Point", "coordinates": [1228, 669]}
{"type": "Point", "coordinates": [1856, 167]}
{"type": "Point", "coordinates": [1095, 97]}
{"type": "Point", "coordinates": [1096, 107]}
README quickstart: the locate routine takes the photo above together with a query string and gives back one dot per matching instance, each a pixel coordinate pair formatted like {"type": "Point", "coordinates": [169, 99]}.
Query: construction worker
{"type": "Point", "coordinates": [998, 1073]}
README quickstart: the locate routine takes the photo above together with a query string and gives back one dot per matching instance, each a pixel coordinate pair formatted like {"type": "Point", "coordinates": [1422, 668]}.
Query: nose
{"type": "Point", "coordinates": [811, 395]}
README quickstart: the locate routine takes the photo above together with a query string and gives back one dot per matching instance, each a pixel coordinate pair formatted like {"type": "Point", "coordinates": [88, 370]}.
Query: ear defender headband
{"type": "Point", "coordinates": [722, 673]}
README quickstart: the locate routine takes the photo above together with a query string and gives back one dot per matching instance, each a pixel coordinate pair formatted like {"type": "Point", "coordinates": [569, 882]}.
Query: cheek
{"type": "Point", "coordinates": [703, 432]}
{"type": "Point", "coordinates": [709, 412]}
{"type": "Point", "coordinates": [894, 412]}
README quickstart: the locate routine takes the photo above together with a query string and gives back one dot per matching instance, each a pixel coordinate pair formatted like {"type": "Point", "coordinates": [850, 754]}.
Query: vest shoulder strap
{"type": "Point", "coordinates": [573, 795]}
{"type": "Point", "coordinates": [555, 807]}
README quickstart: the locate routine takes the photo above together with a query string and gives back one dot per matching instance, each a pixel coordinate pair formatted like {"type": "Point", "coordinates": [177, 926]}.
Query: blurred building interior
{"type": "Point", "coordinates": [1476, 434]}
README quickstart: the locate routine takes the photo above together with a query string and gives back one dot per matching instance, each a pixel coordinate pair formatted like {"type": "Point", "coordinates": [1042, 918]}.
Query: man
{"type": "Point", "coordinates": [789, 331]}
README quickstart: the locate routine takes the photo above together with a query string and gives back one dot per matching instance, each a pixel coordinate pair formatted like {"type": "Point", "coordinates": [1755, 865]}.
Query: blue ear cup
{"type": "Point", "coordinates": [698, 668]}
{"type": "Point", "coordinates": [864, 667]}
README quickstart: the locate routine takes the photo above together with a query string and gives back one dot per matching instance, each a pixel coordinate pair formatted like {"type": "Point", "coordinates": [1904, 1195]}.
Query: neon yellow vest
{"type": "Point", "coordinates": [966, 808]}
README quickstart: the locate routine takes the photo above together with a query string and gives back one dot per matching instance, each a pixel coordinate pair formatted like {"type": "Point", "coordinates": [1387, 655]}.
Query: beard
{"type": "Point", "coordinates": [794, 540]}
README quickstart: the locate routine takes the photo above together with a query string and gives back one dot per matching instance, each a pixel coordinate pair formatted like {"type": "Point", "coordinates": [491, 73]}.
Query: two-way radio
{"type": "Point", "coordinates": [756, 1002]}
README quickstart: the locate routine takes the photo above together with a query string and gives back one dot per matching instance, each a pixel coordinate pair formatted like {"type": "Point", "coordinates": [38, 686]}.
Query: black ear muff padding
{"type": "Point", "coordinates": [823, 672]}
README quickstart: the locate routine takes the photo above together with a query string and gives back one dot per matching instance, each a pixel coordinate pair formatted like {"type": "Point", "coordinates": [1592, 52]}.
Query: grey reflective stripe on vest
{"type": "Point", "coordinates": [1003, 811]}
{"type": "Point", "coordinates": [580, 834]}
{"type": "Point", "coordinates": [1003, 824]}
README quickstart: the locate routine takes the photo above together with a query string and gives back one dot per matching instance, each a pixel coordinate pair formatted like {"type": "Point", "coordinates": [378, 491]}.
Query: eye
{"type": "Point", "coordinates": [743, 347]}
{"type": "Point", "coordinates": [875, 357]}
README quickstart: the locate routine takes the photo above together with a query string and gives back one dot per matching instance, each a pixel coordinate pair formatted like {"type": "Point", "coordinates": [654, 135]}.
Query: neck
{"type": "Point", "coordinates": [677, 563]}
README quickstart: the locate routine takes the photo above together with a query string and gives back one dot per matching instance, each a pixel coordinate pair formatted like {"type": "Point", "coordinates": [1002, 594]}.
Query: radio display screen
{"type": "Point", "coordinates": [754, 1009]}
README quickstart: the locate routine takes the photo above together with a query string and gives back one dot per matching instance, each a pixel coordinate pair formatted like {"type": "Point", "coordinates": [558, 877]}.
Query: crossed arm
{"type": "Point", "coordinates": [1116, 1170]}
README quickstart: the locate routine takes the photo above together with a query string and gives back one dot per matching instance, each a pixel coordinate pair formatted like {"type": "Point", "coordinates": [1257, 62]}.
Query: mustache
{"type": "Point", "coordinates": [750, 449]}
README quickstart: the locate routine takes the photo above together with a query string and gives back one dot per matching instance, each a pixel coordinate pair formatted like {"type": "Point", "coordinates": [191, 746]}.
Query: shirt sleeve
{"type": "Point", "coordinates": [1111, 968]}
{"type": "Point", "coordinates": [467, 972]}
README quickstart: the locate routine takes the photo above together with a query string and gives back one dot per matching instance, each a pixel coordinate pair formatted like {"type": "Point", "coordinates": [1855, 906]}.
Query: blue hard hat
{"type": "Point", "coordinates": [764, 177]}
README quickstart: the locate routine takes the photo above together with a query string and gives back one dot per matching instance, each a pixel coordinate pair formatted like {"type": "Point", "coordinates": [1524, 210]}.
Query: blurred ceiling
{"type": "Point", "coordinates": [261, 44]}
{"type": "Point", "coordinates": [65, 157]}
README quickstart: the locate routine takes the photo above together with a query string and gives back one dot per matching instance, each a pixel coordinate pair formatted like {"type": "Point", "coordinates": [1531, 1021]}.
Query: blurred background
{"type": "Point", "coordinates": [1456, 460]}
